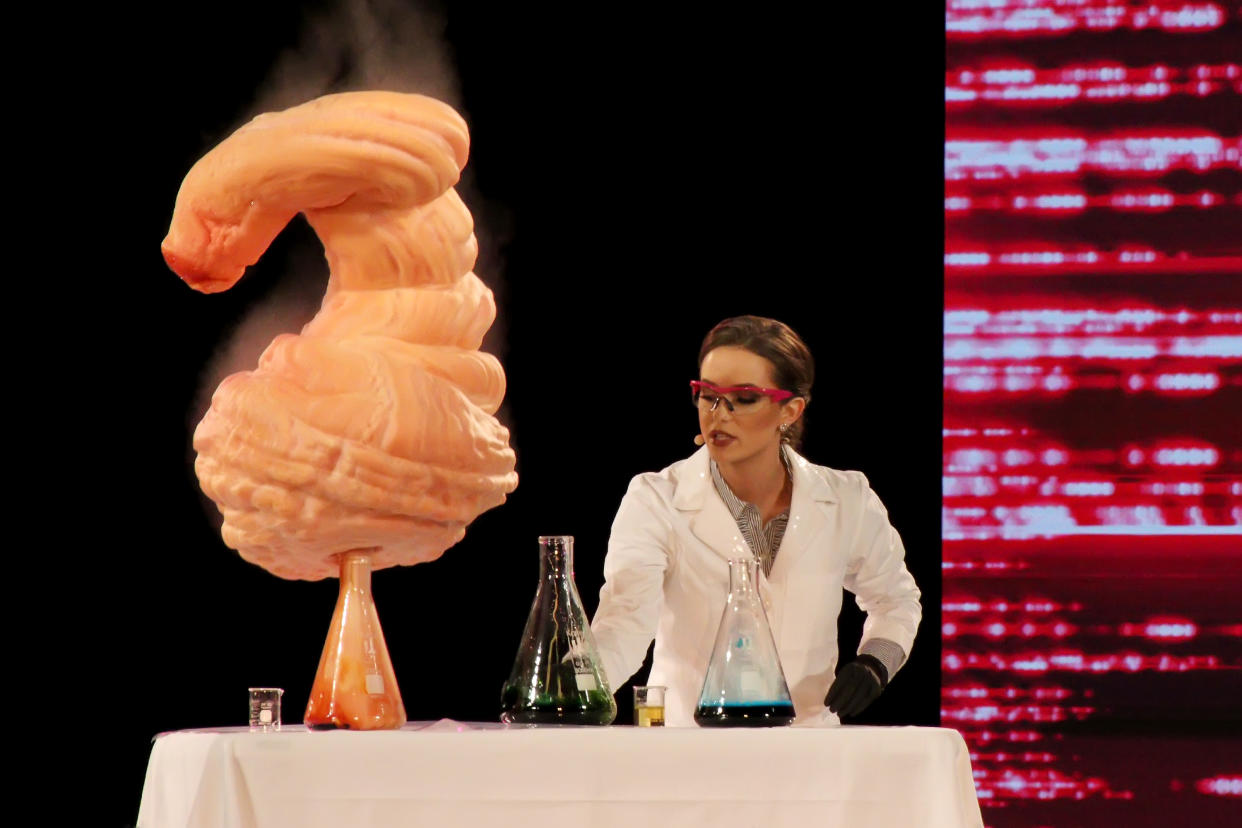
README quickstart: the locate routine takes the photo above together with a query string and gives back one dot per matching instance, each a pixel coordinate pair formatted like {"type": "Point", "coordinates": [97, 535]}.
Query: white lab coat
{"type": "Point", "coordinates": [666, 574]}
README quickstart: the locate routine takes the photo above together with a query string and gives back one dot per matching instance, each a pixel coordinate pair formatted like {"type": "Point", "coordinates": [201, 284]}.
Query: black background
{"type": "Point", "coordinates": [635, 176]}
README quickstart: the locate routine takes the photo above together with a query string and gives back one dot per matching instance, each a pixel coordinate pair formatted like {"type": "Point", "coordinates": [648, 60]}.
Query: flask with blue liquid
{"type": "Point", "coordinates": [745, 685]}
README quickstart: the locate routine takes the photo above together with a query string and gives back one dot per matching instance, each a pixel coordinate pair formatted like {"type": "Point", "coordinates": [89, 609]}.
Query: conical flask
{"type": "Point", "coordinates": [557, 677]}
{"type": "Point", "coordinates": [744, 686]}
{"type": "Point", "coordinates": [355, 687]}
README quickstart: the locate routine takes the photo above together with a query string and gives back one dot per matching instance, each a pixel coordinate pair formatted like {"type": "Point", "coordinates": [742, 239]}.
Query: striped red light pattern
{"type": "Point", "coordinates": [1039, 662]}
{"type": "Point", "coordinates": [1061, 153]}
{"type": "Point", "coordinates": [1221, 786]}
{"type": "Point", "coordinates": [1092, 470]}
{"type": "Point", "coordinates": [1062, 202]}
{"type": "Point", "coordinates": [1161, 629]}
{"type": "Point", "coordinates": [1041, 784]}
{"type": "Point", "coordinates": [1045, 259]}
{"type": "Point", "coordinates": [982, 692]}
{"type": "Point", "coordinates": [1014, 485]}
{"type": "Point", "coordinates": [1011, 84]}
{"type": "Point", "coordinates": [1024, 18]}
{"type": "Point", "coordinates": [999, 629]}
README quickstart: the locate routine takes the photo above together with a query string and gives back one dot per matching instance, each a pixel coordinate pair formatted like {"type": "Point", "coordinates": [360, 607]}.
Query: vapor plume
{"type": "Point", "coordinates": [364, 44]}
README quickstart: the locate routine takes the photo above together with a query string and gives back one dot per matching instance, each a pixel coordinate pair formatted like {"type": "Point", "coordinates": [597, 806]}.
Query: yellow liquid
{"type": "Point", "coordinates": [649, 716]}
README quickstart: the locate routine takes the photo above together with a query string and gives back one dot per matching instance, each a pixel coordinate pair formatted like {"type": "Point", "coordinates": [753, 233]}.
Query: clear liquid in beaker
{"type": "Point", "coordinates": [265, 708]}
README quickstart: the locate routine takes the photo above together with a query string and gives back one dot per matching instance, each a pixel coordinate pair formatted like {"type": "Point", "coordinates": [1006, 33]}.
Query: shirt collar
{"type": "Point", "coordinates": [736, 504]}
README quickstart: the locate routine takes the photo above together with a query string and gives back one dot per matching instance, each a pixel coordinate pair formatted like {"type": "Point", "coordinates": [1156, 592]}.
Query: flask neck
{"type": "Point", "coordinates": [556, 556]}
{"type": "Point", "coordinates": [356, 570]}
{"type": "Point", "coordinates": [742, 575]}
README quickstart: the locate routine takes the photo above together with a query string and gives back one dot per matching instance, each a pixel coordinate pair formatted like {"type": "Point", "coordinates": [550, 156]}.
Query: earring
{"type": "Point", "coordinates": [698, 439]}
{"type": "Point", "coordinates": [784, 431]}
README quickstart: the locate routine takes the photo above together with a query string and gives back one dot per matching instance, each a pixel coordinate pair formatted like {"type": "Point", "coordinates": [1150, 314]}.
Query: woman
{"type": "Point", "coordinates": [813, 529]}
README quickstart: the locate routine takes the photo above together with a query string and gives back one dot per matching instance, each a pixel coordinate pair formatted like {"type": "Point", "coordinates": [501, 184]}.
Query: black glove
{"type": "Point", "coordinates": [857, 685]}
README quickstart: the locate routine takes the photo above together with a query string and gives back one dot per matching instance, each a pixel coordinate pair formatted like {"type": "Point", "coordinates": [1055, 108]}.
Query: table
{"type": "Point", "coordinates": [449, 773]}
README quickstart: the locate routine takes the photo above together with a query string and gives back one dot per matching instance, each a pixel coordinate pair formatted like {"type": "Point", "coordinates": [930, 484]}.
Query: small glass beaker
{"type": "Point", "coordinates": [265, 708]}
{"type": "Point", "coordinates": [649, 705]}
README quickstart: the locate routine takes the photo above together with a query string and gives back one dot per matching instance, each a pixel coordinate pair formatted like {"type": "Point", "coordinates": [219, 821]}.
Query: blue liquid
{"type": "Point", "coordinates": [745, 714]}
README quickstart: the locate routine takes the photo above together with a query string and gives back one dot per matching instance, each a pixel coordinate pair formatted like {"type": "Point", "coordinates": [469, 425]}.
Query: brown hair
{"type": "Point", "coordinates": [792, 365]}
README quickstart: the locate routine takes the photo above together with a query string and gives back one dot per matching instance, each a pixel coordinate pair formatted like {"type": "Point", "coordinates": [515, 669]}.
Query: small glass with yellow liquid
{"type": "Point", "coordinates": [649, 705]}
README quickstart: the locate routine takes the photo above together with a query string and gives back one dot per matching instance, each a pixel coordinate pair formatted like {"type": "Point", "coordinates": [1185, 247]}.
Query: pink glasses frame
{"type": "Point", "coordinates": [775, 394]}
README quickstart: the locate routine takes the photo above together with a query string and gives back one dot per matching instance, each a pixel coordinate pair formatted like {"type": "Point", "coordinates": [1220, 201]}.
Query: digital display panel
{"type": "Point", "coordinates": [1092, 488]}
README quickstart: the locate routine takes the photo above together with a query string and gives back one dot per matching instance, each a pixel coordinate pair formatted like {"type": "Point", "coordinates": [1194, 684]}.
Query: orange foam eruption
{"type": "Point", "coordinates": [370, 435]}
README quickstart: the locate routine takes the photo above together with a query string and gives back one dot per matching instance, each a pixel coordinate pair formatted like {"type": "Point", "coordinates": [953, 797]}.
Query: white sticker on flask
{"type": "Point", "coordinates": [585, 681]}
{"type": "Point", "coordinates": [375, 684]}
{"type": "Point", "coordinates": [265, 716]}
{"type": "Point", "coordinates": [752, 684]}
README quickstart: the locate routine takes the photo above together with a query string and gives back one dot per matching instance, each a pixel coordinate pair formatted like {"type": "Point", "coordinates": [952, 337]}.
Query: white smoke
{"type": "Point", "coordinates": [364, 44]}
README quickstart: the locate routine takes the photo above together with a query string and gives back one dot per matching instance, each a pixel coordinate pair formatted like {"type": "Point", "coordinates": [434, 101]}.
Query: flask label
{"type": "Point", "coordinates": [585, 681]}
{"type": "Point", "coordinates": [375, 684]}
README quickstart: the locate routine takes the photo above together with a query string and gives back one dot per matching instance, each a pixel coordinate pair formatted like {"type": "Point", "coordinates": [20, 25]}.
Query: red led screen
{"type": "Point", "coordinates": [1092, 490]}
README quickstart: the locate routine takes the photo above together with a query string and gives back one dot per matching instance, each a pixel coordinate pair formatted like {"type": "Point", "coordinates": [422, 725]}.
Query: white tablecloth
{"type": "Point", "coordinates": [448, 774]}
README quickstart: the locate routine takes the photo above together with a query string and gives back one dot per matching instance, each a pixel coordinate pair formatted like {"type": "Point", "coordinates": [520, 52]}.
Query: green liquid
{"type": "Point", "coordinates": [591, 707]}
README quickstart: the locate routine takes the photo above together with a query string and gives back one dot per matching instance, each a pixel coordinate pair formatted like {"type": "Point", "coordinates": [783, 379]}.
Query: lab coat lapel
{"type": "Point", "coordinates": [810, 506]}
{"type": "Point", "coordinates": [713, 525]}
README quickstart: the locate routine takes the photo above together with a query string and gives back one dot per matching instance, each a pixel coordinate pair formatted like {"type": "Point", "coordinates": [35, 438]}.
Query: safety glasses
{"type": "Point", "coordinates": [739, 399]}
